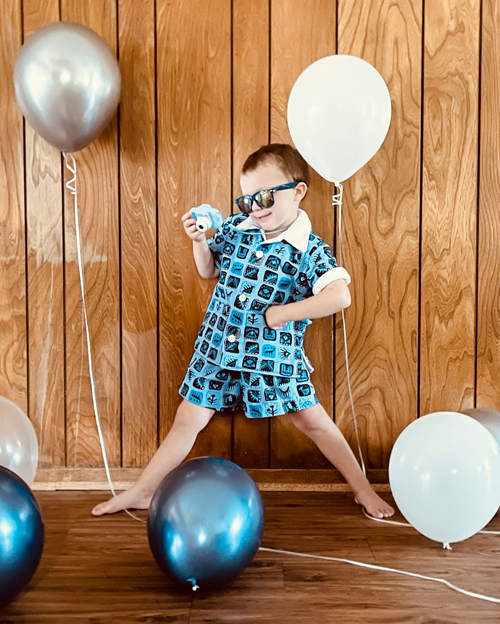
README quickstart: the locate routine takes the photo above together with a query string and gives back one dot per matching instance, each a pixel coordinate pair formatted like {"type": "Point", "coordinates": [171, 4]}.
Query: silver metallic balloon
{"type": "Point", "coordinates": [67, 84]}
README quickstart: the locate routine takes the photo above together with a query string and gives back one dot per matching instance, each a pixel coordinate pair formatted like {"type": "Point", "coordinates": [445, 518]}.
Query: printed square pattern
{"type": "Point", "coordinates": [260, 396]}
{"type": "Point", "coordinates": [255, 274]}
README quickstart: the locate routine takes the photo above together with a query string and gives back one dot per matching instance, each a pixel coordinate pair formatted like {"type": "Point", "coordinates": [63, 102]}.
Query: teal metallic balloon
{"type": "Point", "coordinates": [21, 535]}
{"type": "Point", "coordinates": [205, 523]}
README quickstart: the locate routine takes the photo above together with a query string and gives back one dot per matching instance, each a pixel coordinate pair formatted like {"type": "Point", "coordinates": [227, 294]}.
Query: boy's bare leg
{"type": "Point", "coordinates": [190, 419]}
{"type": "Point", "coordinates": [317, 425]}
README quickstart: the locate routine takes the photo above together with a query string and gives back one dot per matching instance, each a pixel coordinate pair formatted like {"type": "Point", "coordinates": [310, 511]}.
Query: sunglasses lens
{"type": "Point", "coordinates": [265, 199]}
{"type": "Point", "coordinates": [245, 204]}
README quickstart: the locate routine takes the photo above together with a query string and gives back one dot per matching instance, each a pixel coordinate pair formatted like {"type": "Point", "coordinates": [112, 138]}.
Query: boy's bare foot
{"type": "Point", "coordinates": [374, 505]}
{"type": "Point", "coordinates": [134, 498]}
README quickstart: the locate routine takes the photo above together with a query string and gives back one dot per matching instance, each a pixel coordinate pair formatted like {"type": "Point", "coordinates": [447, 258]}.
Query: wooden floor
{"type": "Point", "coordinates": [100, 570]}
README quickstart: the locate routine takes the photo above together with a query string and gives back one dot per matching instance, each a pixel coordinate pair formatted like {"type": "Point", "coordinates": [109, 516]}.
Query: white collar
{"type": "Point", "coordinates": [297, 234]}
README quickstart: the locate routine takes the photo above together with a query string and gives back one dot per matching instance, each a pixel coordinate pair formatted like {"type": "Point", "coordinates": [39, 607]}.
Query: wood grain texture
{"type": "Point", "coordinates": [52, 479]}
{"type": "Point", "coordinates": [449, 205]}
{"type": "Point", "coordinates": [97, 167]}
{"type": "Point", "coordinates": [381, 236]}
{"type": "Point", "coordinates": [100, 570]}
{"type": "Point", "coordinates": [222, 89]}
{"type": "Point", "coordinates": [194, 166]}
{"type": "Point", "coordinates": [13, 365]}
{"type": "Point", "coordinates": [250, 131]}
{"type": "Point", "coordinates": [138, 231]}
{"type": "Point", "coordinates": [44, 218]}
{"type": "Point", "coordinates": [488, 300]}
{"type": "Point", "coordinates": [302, 32]}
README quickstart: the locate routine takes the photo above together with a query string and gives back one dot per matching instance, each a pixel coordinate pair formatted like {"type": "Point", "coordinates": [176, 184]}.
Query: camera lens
{"type": "Point", "coordinates": [203, 224]}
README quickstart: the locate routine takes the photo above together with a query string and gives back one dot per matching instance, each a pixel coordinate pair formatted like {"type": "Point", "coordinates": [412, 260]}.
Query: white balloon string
{"type": "Point", "coordinates": [407, 524]}
{"type": "Point", "coordinates": [71, 186]}
{"type": "Point", "coordinates": [384, 521]}
{"type": "Point", "coordinates": [385, 569]}
{"type": "Point", "coordinates": [337, 201]}
{"type": "Point", "coordinates": [490, 532]}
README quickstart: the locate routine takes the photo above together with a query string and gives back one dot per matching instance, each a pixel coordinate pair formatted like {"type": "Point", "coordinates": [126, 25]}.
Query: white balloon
{"type": "Point", "coordinates": [444, 473]}
{"type": "Point", "coordinates": [18, 443]}
{"type": "Point", "coordinates": [339, 113]}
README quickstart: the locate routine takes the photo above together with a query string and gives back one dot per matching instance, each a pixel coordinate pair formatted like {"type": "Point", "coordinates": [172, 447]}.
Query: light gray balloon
{"type": "Point", "coordinates": [67, 83]}
{"type": "Point", "coordinates": [18, 443]}
{"type": "Point", "coordinates": [489, 418]}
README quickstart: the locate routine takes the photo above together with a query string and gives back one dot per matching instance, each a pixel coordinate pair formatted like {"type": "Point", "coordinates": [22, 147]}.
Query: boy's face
{"type": "Point", "coordinates": [286, 203]}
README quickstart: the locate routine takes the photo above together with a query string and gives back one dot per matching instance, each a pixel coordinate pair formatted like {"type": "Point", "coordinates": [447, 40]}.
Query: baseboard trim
{"type": "Point", "coordinates": [270, 480]}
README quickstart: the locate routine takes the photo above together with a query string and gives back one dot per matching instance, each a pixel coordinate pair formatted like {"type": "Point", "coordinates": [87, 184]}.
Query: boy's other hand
{"type": "Point", "coordinates": [190, 228]}
{"type": "Point", "coordinates": [275, 318]}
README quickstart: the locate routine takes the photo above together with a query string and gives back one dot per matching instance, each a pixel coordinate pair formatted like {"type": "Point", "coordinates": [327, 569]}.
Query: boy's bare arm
{"type": "Point", "coordinates": [331, 299]}
{"type": "Point", "coordinates": [203, 257]}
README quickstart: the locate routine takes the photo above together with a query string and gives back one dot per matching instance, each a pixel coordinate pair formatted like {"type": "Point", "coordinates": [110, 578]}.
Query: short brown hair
{"type": "Point", "coordinates": [285, 156]}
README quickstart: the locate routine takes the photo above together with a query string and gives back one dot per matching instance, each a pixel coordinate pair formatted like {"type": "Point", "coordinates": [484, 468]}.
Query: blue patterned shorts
{"type": "Point", "coordinates": [208, 385]}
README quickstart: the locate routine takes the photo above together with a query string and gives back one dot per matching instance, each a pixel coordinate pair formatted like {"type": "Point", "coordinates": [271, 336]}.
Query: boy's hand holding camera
{"type": "Point", "coordinates": [189, 223]}
{"type": "Point", "coordinates": [201, 252]}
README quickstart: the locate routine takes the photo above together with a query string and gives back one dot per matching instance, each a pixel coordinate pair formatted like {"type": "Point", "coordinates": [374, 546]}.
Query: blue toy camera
{"type": "Point", "coordinates": [206, 217]}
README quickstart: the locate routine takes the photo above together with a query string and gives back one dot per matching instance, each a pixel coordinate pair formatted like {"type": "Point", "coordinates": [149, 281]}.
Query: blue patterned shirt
{"type": "Point", "coordinates": [256, 273]}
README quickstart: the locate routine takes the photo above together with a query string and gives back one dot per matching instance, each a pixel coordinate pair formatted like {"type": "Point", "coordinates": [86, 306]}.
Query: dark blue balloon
{"type": "Point", "coordinates": [205, 522]}
{"type": "Point", "coordinates": [21, 535]}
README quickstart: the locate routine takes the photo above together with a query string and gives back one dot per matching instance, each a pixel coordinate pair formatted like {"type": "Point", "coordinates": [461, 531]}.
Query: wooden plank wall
{"type": "Point", "coordinates": [204, 84]}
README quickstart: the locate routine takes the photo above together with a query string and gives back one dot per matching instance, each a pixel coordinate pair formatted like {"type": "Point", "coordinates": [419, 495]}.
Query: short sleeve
{"type": "Point", "coordinates": [216, 244]}
{"type": "Point", "coordinates": [323, 269]}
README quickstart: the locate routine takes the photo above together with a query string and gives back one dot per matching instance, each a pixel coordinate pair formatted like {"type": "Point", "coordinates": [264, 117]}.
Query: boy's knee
{"type": "Point", "coordinates": [192, 416]}
{"type": "Point", "coordinates": [307, 422]}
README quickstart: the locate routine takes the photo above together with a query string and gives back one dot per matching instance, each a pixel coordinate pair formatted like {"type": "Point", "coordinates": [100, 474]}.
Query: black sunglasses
{"type": "Point", "coordinates": [264, 198]}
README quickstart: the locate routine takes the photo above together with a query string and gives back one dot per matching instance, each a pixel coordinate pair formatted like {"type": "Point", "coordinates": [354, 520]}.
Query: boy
{"type": "Point", "coordinates": [275, 274]}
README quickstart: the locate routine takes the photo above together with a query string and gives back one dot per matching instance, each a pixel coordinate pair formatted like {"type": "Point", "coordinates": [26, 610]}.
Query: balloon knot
{"type": "Point", "coordinates": [337, 198]}
{"type": "Point", "coordinates": [195, 586]}
{"type": "Point", "coordinates": [447, 546]}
